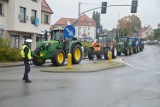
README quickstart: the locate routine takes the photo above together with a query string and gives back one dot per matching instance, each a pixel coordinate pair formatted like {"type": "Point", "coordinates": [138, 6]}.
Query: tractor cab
{"type": "Point", "coordinates": [57, 34]}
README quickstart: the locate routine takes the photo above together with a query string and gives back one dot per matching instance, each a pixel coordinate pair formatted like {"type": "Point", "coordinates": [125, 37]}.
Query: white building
{"type": "Point", "coordinates": [23, 19]}
{"type": "Point", "coordinates": [146, 32]}
{"type": "Point", "coordinates": [84, 26]}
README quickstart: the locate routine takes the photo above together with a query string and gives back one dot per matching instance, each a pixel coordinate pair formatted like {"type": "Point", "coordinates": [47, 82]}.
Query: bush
{"type": "Point", "coordinates": [10, 54]}
{"type": "Point", "coordinates": [5, 42]}
{"type": "Point", "coordinates": [86, 46]}
{"type": "Point", "coordinates": [7, 53]}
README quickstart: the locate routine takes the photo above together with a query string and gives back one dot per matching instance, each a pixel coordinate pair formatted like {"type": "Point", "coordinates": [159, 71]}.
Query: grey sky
{"type": "Point", "coordinates": [148, 11]}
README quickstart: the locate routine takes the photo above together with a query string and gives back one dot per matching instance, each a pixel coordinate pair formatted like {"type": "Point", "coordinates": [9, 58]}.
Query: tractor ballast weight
{"type": "Point", "coordinates": [102, 47]}
{"type": "Point", "coordinates": [57, 49]}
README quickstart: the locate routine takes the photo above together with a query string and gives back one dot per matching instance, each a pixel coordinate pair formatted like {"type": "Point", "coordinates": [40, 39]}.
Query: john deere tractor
{"type": "Point", "coordinates": [124, 45]}
{"type": "Point", "coordinates": [101, 47]}
{"type": "Point", "coordinates": [57, 49]}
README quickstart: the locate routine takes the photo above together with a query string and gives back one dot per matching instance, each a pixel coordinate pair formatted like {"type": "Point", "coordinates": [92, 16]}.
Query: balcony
{"type": "Point", "coordinates": [34, 21]}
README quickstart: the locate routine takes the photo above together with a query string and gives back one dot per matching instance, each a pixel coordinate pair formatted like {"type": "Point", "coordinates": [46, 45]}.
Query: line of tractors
{"type": "Point", "coordinates": [58, 47]}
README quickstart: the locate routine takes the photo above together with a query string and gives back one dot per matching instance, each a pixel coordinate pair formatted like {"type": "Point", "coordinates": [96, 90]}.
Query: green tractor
{"type": "Point", "coordinates": [57, 49]}
{"type": "Point", "coordinates": [124, 45]}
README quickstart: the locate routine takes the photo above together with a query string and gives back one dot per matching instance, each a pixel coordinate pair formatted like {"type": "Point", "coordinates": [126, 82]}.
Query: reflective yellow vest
{"type": "Point", "coordinates": [23, 54]}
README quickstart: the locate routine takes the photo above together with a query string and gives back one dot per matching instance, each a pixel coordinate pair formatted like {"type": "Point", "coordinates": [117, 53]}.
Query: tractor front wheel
{"type": "Point", "coordinates": [58, 58]}
{"type": "Point", "coordinates": [38, 61]}
{"type": "Point", "coordinates": [76, 54]}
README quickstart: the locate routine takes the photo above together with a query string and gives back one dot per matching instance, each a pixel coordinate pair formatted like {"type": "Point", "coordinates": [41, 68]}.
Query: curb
{"type": "Point", "coordinates": [13, 64]}
{"type": "Point", "coordinates": [86, 68]}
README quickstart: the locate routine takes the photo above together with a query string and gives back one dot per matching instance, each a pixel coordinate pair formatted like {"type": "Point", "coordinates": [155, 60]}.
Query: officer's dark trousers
{"type": "Point", "coordinates": [27, 70]}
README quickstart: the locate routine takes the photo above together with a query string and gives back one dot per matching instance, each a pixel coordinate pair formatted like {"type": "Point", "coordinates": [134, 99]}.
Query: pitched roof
{"type": "Point", "coordinates": [84, 20]}
{"type": "Point", "coordinates": [63, 22]}
{"type": "Point", "coordinates": [45, 7]}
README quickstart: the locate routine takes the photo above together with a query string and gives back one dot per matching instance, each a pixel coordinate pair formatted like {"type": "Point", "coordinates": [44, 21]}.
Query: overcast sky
{"type": "Point", "coordinates": [148, 11]}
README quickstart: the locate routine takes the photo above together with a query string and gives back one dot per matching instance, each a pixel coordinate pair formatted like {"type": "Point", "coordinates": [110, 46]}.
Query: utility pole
{"type": "Point", "coordinates": [79, 11]}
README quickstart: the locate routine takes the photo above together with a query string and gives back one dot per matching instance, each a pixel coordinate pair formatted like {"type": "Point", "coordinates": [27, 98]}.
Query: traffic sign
{"type": "Point", "coordinates": [69, 31]}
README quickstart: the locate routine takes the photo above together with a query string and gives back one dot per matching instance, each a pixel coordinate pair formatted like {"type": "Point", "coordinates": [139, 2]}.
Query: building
{"type": "Point", "coordinates": [84, 26]}
{"type": "Point", "coordinates": [21, 19]}
{"type": "Point", "coordinates": [46, 12]}
{"type": "Point", "coordinates": [146, 32]}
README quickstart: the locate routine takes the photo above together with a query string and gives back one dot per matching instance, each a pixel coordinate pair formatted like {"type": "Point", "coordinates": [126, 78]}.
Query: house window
{"type": "Point", "coordinates": [90, 24]}
{"type": "Point", "coordinates": [15, 41]}
{"type": "Point", "coordinates": [1, 9]}
{"type": "Point", "coordinates": [34, 14]}
{"type": "Point", "coordinates": [46, 19]}
{"type": "Point", "coordinates": [22, 14]}
{"type": "Point", "coordinates": [88, 28]}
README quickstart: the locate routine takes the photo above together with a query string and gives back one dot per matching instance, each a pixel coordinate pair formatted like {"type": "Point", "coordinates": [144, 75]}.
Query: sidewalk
{"type": "Point", "coordinates": [19, 63]}
{"type": "Point", "coordinates": [11, 64]}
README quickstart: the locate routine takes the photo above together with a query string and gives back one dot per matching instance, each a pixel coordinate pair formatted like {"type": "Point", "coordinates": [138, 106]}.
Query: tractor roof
{"type": "Point", "coordinates": [58, 28]}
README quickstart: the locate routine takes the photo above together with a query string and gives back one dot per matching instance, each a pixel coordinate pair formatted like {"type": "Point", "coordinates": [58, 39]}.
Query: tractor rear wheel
{"type": "Point", "coordinates": [76, 54]}
{"type": "Point", "coordinates": [90, 54]}
{"type": "Point", "coordinates": [106, 56]}
{"type": "Point", "coordinates": [114, 52]}
{"type": "Point", "coordinates": [127, 52]}
{"type": "Point", "coordinates": [58, 57]}
{"type": "Point", "coordinates": [130, 51]}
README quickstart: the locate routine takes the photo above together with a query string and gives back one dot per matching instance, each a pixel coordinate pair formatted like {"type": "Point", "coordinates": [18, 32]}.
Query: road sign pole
{"type": "Point", "coordinates": [69, 32]}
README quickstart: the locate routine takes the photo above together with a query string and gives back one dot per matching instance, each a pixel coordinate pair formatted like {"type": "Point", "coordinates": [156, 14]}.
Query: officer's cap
{"type": "Point", "coordinates": [29, 40]}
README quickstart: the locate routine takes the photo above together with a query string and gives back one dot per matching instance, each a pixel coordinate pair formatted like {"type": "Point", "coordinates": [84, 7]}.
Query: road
{"type": "Point", "coordinates": [135, 85]}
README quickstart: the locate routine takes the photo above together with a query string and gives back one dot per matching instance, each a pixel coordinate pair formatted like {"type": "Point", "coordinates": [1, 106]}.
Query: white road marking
{"type": "Point", "coordinates": [144, 69]}
{"type": "Point", "coordinates": [128, 64]}
{"type": "Point", "coordinates": [139, 68]}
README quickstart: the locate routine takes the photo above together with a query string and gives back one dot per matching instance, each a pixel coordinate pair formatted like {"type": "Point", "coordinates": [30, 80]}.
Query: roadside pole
{"type": "Point", "coordinates": [69, 32]}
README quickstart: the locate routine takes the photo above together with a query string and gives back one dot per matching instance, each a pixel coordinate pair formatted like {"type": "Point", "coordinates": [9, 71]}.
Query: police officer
{"type": "Point", "coordinates": [26, 55]}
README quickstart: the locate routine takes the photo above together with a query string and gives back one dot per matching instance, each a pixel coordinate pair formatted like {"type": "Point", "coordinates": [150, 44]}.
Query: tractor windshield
{"type": "Point", "coordinates": [58, 35]}
{"type": "Point", "coordinates": [104, 40]}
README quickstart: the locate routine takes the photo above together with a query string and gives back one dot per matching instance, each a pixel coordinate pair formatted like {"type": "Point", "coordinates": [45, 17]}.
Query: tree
{"type": "Point", "coordinates": [129, 25]}
{"type": "Point", "coordinates": [157, 33]}
{"type": "Point", "coordinates": [105, 31]}
{"type": "Point", "coordinates": [96, 16]}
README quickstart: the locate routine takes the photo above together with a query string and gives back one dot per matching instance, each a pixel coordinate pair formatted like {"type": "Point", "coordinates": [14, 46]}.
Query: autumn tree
{"type": "Point", "coordinates": [157, 33]}
{"type": "Point", "coordinates": [128, 25]}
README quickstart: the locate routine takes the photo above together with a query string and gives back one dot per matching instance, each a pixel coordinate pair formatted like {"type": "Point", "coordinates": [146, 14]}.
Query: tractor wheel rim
{"type": "Point", "coordinates": [60, 57]}
{"type": "Point", "coordinates": [77, 54]}
{"type": "Point", "coordinates": [40, 60]}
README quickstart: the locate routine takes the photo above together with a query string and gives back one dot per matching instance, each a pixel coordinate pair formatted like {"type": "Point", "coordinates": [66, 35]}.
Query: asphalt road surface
{"type": "Point", "coordinates": [135, 85]}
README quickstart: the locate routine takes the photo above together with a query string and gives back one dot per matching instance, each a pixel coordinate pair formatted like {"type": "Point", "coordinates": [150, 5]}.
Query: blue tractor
{"type": "Point", "coordinates": [137, 44]}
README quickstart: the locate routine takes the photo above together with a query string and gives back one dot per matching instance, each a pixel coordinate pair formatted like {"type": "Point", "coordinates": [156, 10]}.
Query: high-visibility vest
{"type": "Point", "coordinates": [23, 54]}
